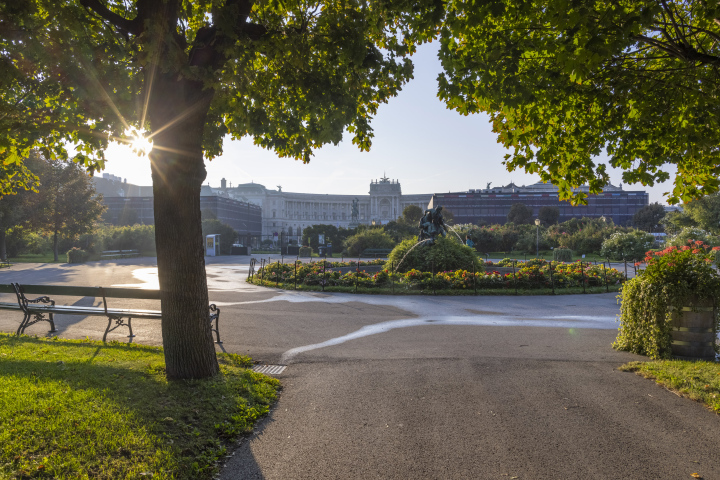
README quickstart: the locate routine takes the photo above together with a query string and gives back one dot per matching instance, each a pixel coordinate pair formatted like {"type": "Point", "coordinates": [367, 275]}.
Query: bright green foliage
{"type": "Point", "coordinates": [66, 204]}
{"type": "Point", "coordinates": [564, 81]}
{"type": "Point", "coordinates": [228, 236]}
{"type": "Point", "coordinates": [673, 278]}
{"type": "Point", "coordinates": [649, 218]}
{"type": "Point", "coordinates": [627, 246]}
{"type": "Point", "coordinates": [674, 222]}
{"type": "Point", "coordinates": [368, 238]}
{"type": "Point", "coordinates": [690, 234]}
{"type": "Point", "coordinates": [447, 253]}
{"type": "Point", "coordinates": [79, 409]}
{"type": "Point", "coordinates": [583, 235]}
{"type": "Point", "coordinates": [562, 255]}
{"type": "Point", "coordinates": [411, 216]}
{"type": "Point", "coordinates": [705, 212]}
{"type": "Point", "coordinates": [699, 381]}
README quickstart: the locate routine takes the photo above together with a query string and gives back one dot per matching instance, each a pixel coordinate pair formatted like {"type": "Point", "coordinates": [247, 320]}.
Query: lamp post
{"type": "Point", "coordinates": [537, 242]}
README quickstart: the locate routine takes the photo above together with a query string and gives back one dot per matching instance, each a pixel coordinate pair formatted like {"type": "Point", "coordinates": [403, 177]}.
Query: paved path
{"type": "Point", "coordinates": [433, 387]}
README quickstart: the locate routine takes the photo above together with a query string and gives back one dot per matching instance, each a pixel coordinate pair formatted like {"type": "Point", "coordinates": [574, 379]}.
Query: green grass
{"type": "Point", "coordinates": [74, 409]}
{"type": "Point", "coordinates": [401, 290]}
{"type": "Point", "coordinates": [699, 381]}
{"type": "Point", "coordinates": [36, 258]}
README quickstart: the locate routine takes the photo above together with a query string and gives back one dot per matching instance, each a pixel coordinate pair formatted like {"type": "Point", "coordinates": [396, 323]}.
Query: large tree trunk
{"type": "Point", "coordinates": [177, 112]}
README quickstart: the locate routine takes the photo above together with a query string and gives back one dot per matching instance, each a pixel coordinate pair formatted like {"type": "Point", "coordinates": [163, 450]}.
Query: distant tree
{"type": "Point", "coordinates": [411, 215]}
{"type": "Point", "coordinates": [449, 216]}
{"type": "Point", "coordinates": [400, 230]}
{"type": "Point", "coordinates": [208, 214]}
{"type": "Point", "coordinates": [332, 234]}
{"type": "Point", "coordinates": [549, 215]}
{"type": "Point", "coordinates": [649, 218]}
{"type": "Point", "coordinates": [227, 234]}
{"type": "Point", "coordinates": [13, 212]}
{"type": "Point", "coordinates": [705, 212]}
{"type": "Point", "coordinates": [368, 238]}
{"type": "Point", "coordinates": [674, 222]}
{"type": "Point", "coordinates": [520, 214]}
{"type": "Point", "coordinates": [67, 204]}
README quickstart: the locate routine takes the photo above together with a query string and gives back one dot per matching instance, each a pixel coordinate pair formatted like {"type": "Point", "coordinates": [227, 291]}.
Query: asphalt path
{"type": "Point", "coordinates": [428, 387]}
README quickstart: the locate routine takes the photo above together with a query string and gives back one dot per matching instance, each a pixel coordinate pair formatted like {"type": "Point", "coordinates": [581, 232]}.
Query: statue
{"type": "Point", "coordinates": [432, 224]}
{"type": "Point", "coordinates": [355, 211]}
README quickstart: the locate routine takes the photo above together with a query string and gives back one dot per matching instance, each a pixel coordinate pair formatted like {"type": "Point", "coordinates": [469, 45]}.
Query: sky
{"type": "Point", "coordinates": [418, 141]}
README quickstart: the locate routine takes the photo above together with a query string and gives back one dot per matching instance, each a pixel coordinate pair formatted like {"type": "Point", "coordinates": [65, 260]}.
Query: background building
{"type": "Point", "coordinates": [492, 205]}
{"type": "Point", "coordinates": [128, 204]}
{"type": "Point", "coordinates": [290, 212]}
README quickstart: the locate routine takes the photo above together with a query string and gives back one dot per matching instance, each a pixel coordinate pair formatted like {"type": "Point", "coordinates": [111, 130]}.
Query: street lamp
{"type": "Point", "coordinates": [537, 242]}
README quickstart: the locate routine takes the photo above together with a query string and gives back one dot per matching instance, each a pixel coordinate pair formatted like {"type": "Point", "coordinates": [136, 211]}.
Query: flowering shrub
{"type": "Point", "coordinates": [674, 278]}
{"type": "Point", "coordinates": [527, 277]}
{"type": "Point", "coordinates": [627, 245]}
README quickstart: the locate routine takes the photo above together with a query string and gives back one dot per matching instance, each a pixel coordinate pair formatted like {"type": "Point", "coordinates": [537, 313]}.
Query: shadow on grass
{"type": "Point", "coordinates": [111, 410]}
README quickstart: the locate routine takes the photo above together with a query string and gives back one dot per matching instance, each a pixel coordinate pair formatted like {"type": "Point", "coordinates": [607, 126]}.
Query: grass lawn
{"type": "Point", "coordinates": [36, 258]}
{"type": "Point", "coordinates": [74, 409]}
{"type": "Point", "coordinates": [699, 381]}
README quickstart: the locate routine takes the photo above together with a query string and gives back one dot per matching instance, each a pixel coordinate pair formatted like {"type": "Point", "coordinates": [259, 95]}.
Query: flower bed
{"type": "Point", "coordinates": [564, 275]}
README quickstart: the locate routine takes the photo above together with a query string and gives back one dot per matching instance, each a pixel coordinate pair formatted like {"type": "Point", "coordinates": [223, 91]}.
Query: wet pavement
{"type": "Point", "coordinates": [428, 387]}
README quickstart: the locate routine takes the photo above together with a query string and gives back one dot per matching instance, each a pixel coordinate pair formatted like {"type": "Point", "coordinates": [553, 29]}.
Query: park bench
{"type": "Point", "coordinates": [376, 252]}
{"type": "Point", "coordinates": [119, 254]}
{"type": "Point", "coordinates": [43, 308]}
{"type": "Point", "coordinates": [4, 263]}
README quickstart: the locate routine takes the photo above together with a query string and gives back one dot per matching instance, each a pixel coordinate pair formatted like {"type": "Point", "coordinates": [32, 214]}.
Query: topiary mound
{"type": "Point", "coordinates": [446, 254]}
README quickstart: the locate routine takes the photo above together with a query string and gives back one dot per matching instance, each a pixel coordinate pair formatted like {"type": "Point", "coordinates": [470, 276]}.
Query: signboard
{"type": "Point", "coordinates": [212, 247]}
{"type": "Point", "coordinates": [321, 239]}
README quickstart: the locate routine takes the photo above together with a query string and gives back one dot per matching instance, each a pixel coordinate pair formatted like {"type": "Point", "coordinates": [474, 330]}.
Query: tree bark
{"type": "Point", "coordinates": [177, 112]}
{"type": "Point", "coordinates": [55, 246]}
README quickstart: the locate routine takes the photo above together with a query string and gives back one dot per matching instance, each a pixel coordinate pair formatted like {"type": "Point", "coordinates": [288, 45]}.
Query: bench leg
{"type": "Point", "coordinates": [21, 327]}
{"type": "Point", "coordinates": [107, 329]}
{"type": "Point", "coordinates": [119, 322]}
{"type": "Point", "coordinates": [129, 324]}
{"type": "Point", "coordinates": [215, 316]}
{"type": "Point", "coordinates": [52, 323]}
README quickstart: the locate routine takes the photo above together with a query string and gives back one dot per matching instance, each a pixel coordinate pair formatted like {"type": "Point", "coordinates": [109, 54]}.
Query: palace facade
{"type": "Point", "coordinates": [291, 212]}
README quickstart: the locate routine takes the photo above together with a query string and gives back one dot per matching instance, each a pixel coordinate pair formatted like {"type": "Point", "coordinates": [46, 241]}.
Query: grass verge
{"type": "Point", "coordinates": [78, 409]}
{"type": "Point", "coordinates": [699, 381]}
{"type": "Point", "coordinates": [402, 290]}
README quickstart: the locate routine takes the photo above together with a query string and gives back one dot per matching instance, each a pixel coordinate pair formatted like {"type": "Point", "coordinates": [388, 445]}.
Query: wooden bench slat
{"type": "Point", "coordinates": [7, 289]}
{"type": "Point", "coordinates": [95, 311]}
{"type": "Point", "coordinates": [9, 306]}
{"type": "Point", "coordinates": [73, 291]}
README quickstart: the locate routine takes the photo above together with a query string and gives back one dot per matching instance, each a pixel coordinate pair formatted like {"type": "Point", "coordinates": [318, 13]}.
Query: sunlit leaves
{"type": "Point", "coordinates": [565, 80]}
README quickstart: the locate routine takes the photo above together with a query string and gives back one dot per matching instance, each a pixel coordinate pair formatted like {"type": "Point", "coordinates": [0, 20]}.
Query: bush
{"type": "Point", "coordinates": [369, 238]}
{"type": "Point", "coordinates": [562, 255]}
{"type": "Point", "coordinates": [445, 255]}
{"type": "Point", "coordinates": [226, 232]}
{"type": "Point", "coordinates": [627, 246]}
{"type": "Point", "coordinates": [687, 234]}
{"type": "Point", "coordinates": [77, 255]}
{"type": "Point", "coordinates": [305, 252]}
{"type": "Point", "coordinates": [672, 279]}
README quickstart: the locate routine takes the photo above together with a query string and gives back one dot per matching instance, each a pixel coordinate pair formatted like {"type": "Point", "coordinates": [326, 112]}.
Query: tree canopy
{"type": "Point", "coordinates": [649, 218]}
{"type": "Point", "coordinates": [520, 214]}
{"type": "Point", "coordinates": [294, 76]}
{"type": "Point", "coordinates": [564, 81]}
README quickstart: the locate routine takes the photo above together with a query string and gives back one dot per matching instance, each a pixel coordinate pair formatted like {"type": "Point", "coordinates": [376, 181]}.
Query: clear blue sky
{"type": "Point", "coordinates": [427, 147]}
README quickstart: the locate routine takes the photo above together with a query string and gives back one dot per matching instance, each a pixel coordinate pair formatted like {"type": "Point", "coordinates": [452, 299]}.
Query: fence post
{"type": "Point", "coordinates": [474, 282]}
{"type": "Point", "coordinates": [262, 270]}
{"type": "Point", "coordinates": [625, 269]}
{"type": "Point", "coordinates": [324, 277]}
{"type": "Point", "coordinates": [607, 288]}
{"type": "Point", "coordinates": [515, 278]}
{"type": "Point", "coordinates": [635, 268]}
{"type": "Point", "coordinates": [392, 279]}
{"type": "Point", "coordinates": [295, 286]}
{"type": "Point", "coordinates": [357, 274]}
{"type": "Point", "coordinates": [582, 270]}
{"type": "Point", "coordinates": [432, 268]}
{"type": "Point", "coordinates": [277, 277]}
{"type": "Point", "coordinates": [552, 279]}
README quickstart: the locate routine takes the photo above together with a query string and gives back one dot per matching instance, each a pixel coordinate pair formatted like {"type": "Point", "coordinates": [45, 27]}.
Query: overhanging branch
{"type": "Point", "coordinates": [127, 26]}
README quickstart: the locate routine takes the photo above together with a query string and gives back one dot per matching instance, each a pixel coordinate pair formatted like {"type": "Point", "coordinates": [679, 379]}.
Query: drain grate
{"type": "Point", "coordinates": [270, 369]}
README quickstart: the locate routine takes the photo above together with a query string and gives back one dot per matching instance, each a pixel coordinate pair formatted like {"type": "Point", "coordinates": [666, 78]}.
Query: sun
{"type": "Point", "coordinates": [138, 142]}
